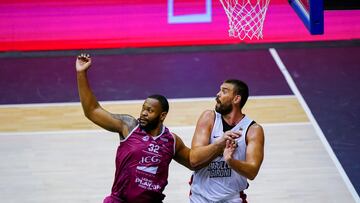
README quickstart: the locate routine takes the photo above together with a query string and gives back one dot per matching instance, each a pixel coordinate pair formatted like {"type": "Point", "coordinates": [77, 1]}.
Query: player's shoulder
{"type": "Point", "coordinates": [208, 111]}
{"type": "Point", "coordinates": [255, 130]}
{"type": "Point", "coordinates": [207, 118]}
{"type": "Point", "coordinates": [256, 126]}
{"type": "Point", "coordinates": [208, 114]}
{"type": "Point", "coordinates": [178, 141]}
{"type": "Point", "coordinates": [174, 134]}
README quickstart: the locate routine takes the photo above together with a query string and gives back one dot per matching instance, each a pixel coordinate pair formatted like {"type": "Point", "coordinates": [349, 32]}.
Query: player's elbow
{"type": "Point", "coordinates": [191, 168]}
{"type": "Point", "coordinates": [252, 176]}
{"type": "Point", "coordinates": [90, 112]}
{"type": "Point", "coordinates": [194, 161]}
{"type": "Point", "coordinates": [253, 173]}
{"type": "Point", "coordinates": [190, 165]}
{"type": "Point", "coordinates": [89, 115]}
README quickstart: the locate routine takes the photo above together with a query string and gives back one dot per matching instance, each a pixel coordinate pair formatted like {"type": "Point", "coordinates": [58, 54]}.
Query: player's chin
{"type": "Point", "coordinates": [218, 108]}
{"type": "Point", "coordinates": [143, 124]}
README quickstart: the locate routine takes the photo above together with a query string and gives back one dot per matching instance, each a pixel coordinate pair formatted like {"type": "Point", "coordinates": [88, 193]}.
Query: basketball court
{"type": "Point", "coordinates": [303, 94]}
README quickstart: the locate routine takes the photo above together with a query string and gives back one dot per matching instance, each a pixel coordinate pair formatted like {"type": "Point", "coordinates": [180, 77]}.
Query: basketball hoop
{"type": "Point", "coordinates": [246, 17]}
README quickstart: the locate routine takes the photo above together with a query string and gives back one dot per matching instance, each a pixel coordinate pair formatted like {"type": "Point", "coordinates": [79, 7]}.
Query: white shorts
{"type": "Point", "coordinates": [198, 198]}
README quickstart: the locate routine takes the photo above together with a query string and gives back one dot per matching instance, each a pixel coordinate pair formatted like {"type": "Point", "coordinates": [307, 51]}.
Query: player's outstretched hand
{"type": "Point", "coordinates": [83, 62]}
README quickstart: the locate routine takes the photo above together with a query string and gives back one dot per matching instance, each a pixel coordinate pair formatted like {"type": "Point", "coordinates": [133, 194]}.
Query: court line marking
{"type": "Point", "coordinates": [311, 117]}
{"type": "Point", "coordinates": [138, 101]}
{"type": "Point", "coordinates": [102, 131]}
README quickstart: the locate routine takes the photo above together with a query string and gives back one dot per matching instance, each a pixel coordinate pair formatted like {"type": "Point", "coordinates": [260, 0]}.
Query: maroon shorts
{"type": "Point", "coordinates": [111, 199]}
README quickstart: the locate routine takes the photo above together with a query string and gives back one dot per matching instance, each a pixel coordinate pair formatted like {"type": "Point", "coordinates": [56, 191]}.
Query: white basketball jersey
{"type": "Point", "coordinates": [218, 181]}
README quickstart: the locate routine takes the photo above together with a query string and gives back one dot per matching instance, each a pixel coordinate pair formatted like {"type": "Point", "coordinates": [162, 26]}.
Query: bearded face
{"type": "Point", "coordinates": [150, 115]}
{"type": "Point", "coordinates": [149, 124]}
{"type": "Point", "coordinates": [223, 108]}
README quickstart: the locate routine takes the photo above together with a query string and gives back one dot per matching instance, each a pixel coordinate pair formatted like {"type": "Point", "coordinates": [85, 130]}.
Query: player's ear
{"type": "Point", "coordinates": [163, 115]}
{"type": "Point", "coordinates": [237, 99]}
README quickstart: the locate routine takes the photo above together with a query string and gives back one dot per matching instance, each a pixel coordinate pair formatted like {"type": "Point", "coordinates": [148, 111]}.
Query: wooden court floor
{"type": "Point", "coordinates": [51, 153]}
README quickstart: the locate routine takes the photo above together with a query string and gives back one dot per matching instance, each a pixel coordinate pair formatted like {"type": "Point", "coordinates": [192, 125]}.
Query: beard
{"type": "Point", "coordinates": [223, 109]}
{"type": "Point", "coordinates": [150, 124]}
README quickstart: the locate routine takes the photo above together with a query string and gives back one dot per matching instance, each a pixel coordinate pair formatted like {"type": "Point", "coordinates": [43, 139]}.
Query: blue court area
{"type": "Point", "coordinates": [327, 77]}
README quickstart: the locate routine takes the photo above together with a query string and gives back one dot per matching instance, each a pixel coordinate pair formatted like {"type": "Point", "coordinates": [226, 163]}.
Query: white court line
{"type": "Point", "coordinates": [57, 132]}
{"type": "Point", "coordinates": [137, 101]}
{"type": "Point", "coordinates": [311, 117]}
{"type": "Point", "coordinates": [101, 131]}
{"type": "Point", "coordinates": [285, 124]}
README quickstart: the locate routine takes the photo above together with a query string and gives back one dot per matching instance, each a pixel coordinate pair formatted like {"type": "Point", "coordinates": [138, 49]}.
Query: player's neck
{"type": "Point", "coordinates": [156, 131]}
{"type": "Point", "coordinates": [234, 117]}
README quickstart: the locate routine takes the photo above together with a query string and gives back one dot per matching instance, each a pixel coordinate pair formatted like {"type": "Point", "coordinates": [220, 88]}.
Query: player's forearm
{"type": "Point", "coordinates": [87, 98]}
{"type": "Point", "coordinates": [184, 159]}
{"type": "Point", "coordinates": [249, 170]}
{"type": "Point", "coordinates": [202, 156]}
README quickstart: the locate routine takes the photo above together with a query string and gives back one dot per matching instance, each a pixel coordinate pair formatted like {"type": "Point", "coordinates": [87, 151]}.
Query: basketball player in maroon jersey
{"type": "Point", "coordinates": [146, 145]}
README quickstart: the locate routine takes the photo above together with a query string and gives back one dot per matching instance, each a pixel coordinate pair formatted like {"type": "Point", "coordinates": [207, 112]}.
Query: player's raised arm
{"type": "Point", "coordinates": [92, 109]}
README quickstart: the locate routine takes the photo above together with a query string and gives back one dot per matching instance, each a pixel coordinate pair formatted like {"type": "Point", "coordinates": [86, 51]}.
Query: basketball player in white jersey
{"type": "Point", "coordinates": [224, 173]}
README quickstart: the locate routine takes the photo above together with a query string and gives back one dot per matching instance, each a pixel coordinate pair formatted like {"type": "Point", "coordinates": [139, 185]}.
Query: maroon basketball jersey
{"type": "Point", "coordinates": [142, 165]}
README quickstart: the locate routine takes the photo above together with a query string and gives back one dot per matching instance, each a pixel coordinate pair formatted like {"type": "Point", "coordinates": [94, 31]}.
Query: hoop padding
{"type": "Point", "coordinates": [246, 17]}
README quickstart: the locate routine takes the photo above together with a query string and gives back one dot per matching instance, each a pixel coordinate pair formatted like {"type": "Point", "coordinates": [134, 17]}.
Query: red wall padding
{"type": "Point", "coordinates": [85, 24]}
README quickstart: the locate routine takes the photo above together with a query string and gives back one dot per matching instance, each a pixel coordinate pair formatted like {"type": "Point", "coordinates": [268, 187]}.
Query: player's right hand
{"type": "Point", "coordinates": [83, 62]}
{"type": "Point", "coordinates": [228, 135]}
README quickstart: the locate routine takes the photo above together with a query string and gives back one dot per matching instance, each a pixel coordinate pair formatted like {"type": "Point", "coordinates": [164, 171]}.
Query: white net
{"type": "Point", "coordinates": [246, 17]}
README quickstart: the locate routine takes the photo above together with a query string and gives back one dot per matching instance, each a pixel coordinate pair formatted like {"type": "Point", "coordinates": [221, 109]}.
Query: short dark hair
{"type": "Point", "coordinates": [241, 89]}
{"type": "Point", "coordinates": [163, 101]}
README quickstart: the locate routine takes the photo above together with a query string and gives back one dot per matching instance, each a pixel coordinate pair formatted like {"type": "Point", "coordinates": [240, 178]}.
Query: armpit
{"type": "Point", "coordinates": [129, 120]}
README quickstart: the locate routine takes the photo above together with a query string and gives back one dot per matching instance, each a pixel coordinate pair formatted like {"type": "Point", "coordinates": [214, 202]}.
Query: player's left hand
{"type": "Point", "coordinates": [229, 150]}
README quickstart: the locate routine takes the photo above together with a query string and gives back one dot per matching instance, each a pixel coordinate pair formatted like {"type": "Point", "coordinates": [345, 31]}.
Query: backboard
{"type": "Point", "coordinates": [311, 12]}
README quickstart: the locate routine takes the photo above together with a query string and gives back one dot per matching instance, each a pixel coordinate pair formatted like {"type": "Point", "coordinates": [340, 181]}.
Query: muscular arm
{"type": "Point", "coordinates": [202, 153]}
{"type": "Point", "coordinates": [254, 153]}
{"type": "Point", "coordinates": [91, 107]}
{"type": "Point", "coordinates": [182, 153]}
